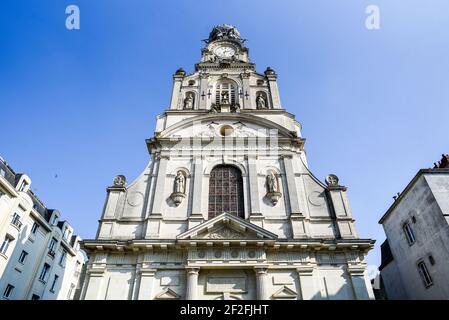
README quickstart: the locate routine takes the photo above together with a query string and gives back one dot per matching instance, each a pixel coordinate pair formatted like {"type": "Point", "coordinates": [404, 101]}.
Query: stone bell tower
{"type": "Point", "coordinates": [227, 207]}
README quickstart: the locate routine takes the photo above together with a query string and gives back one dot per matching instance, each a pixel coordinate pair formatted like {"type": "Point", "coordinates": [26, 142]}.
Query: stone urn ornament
{"type": "Point", "coordinates": [272, 188]}
{"type": "Point", "coordinates": [179, 188]}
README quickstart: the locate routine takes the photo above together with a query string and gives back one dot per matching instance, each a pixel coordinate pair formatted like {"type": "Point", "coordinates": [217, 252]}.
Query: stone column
{"type": "Point", "coordinates": [192, 283]}
{"type": "Point", "coordinates": [262, 283]}
{"type": "Point", "coordinates": [307, 291]}
{"type": "Point", "coordinates": [146, 284]}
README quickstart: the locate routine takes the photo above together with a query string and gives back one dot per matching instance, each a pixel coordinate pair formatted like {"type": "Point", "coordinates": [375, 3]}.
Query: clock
{"type": "Point", "coordinates": [224, 51]}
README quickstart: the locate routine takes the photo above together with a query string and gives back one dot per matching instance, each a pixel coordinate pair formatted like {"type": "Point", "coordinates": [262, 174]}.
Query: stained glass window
{"type": "Point", "coordinates": [225, 191]}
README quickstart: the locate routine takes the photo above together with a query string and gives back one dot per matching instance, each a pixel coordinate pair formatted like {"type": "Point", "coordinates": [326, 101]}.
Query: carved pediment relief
{"type": "Point", "coordinates": [222, 232]}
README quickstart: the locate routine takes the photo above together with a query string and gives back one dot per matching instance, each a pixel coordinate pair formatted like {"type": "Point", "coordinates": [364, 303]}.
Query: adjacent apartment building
{"type": "Point", "coordinates": [40, 257]}
{"type": "Point", "coordinates": [416, 253]}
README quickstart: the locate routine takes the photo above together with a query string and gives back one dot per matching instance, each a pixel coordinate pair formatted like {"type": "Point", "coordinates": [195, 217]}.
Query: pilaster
{"type": "Point", "coordinates": [362, 289]}
{"type": "Point", "coordinates": [204, 90]}
{"type": "Point", "coordinates": [177, 82]}
{"type": "Point", "coordinates": [274, 90]}
{"type": "Point", "coordinates": [308, 290]}
{"type": "Point", "coordinates": [146, 283]}
{"type": "Point", "coordinates": [291, 185]}
{"type": "Point", "coordinates": [155, 217]}
{"type": "Point", "coordinates": [246, 94]}
{"type": "Point", "coordinates": [196, 216]}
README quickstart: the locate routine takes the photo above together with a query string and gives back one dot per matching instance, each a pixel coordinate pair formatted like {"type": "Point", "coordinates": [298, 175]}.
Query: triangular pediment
{"type": "Point", "coordinates": [227, 227]}
{"type": "Point", "coordinates": [284, 293]}
{"type": "Point", "coordinates": [238, 125]}
{"type": "Point", "coordinates": [167, 293]}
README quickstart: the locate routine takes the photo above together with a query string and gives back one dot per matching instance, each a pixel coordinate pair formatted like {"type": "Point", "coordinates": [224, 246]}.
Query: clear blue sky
{"type": "Point", "coordinates": [79, 104]}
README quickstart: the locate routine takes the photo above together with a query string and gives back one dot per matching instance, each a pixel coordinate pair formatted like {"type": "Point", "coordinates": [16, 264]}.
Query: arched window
{"type": "Point", "coordinates": [225, 93]}
{"type": "Point", "coordinates": [225, 191]}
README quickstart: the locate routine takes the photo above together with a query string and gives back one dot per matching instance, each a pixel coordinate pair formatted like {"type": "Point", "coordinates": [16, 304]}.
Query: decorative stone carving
{"type": "Point", "coordinates": [332, 180]}
{"type": "Point", "coordinates": [135, 199]}
{"type": "Point", "coordinates": [119, 181]}
{"type": "Point", "coordinates": [179, 188]}
{"type": "Point", "coordinates": [224, 31]}
{"type": "Point", "coordinates": [261, 102]}
{"type": "Point", "coordinates": [225, 97]}
{"type": "Point", "coordinates": [188, 101]}
{"type": "Point", "coordinates": [225, 233]}
{"type": "Point", "coordinates": [316, 198]}
{"type": "Point", "coordinates": [273, 193]}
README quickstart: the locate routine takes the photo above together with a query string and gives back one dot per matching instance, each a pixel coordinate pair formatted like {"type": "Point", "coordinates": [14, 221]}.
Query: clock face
{"type": "Point", "coordinates": [224, 52]}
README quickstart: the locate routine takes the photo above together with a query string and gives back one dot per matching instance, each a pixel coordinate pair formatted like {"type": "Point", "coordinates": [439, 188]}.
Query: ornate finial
{"type": "Point", "coordinates": [119, 181]}
{"type": "Point", "coordinates": [332, 180]}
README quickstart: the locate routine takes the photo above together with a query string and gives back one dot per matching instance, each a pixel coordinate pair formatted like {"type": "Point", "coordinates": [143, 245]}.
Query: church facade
{"type": "Point", "coordinates": [227, 207]}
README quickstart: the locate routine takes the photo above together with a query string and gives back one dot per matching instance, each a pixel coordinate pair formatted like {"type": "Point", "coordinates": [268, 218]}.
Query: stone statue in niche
{"type": "Point", "coordinates": [225, 97]}
{"type": "Point", "coordinates": [179, 188]}
{"type": "Point", "coordinates": [260, 102]}
{"type": "Point", "coordinates": [272, 183]}
{"type": "Point", "coordinates": [273, 188]}
{"type": "Point", "coordinates": [180, 182]}
{"type": "Point", "coordinates": [188, 101]}
{"type": "Point", "coordinates": [119, 181]}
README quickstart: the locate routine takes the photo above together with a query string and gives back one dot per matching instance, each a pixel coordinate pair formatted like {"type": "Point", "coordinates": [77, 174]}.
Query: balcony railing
{"type": "Point", "coordinates": [51, 253]}
{"type": "Point", "coordinates": [16, 222]}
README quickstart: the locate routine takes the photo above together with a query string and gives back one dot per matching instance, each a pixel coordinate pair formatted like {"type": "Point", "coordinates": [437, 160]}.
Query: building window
{"type": "Point", "coordinates": [425, 275]}
{"type": "Point", "coordinates": [431, 260]}
{"type": "Point", "coordinates": [23, 256]}
{"type": "Point", "coordinates": [62, 259]}
{"type": "Point", "coordinates": [225, 191]}
{"type": "Point", "coordinates": [409, 233]}
{"type": "Point", "coordinates": [16, 221]}
{"type": "Point", "coordinates": [225, 93]}
{"type": "Point", "coordinates": [34, 228]}
{"type": "Point", "coordinates": [51, 247]}
{"type": "Point", "coordinates": [23, 185]}
{"type": "Point", "coordinates": [5, 245]}
{"type": "Point", "coordinates": [44, 272]}
{"type": "Point", "coordinates": [35, 297]}
{"type": "Point", "coordinates": [2, 173]}
{"type": "Point", "coordinates": [53, 285]}
{"type": "Point", "coordinates": [55, 220]}
{"type": "Point", "coordinates": [8, 291]}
